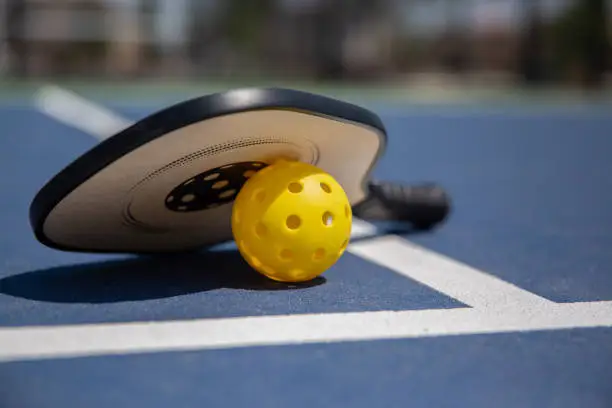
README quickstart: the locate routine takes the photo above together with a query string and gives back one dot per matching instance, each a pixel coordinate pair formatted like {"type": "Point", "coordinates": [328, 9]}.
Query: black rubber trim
{"type": "Point", "coordinates": [178, 116]}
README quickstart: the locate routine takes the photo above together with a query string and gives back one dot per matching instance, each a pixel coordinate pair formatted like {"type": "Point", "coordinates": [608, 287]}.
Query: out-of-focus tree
{"type": "Point", "coordinates": [332, 23]}
{"type": "Point", "coordinates": [17, 46]}
{"type": "Point", "coordinates": [581, 42]}
{"type": "Point", "coordinates": [241, 21]}
{"type": "Point", "coordinates": [456, 54]}
{"type": "Point", "coordinates": [530, 62]}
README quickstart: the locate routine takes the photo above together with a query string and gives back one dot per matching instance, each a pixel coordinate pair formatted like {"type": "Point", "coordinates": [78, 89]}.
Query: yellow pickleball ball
{"type": "Point", "coordinates": [291, 221]}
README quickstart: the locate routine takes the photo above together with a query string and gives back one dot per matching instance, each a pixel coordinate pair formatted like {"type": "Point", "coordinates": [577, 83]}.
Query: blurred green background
{"type": "Point", "coordinates": [425, 50]}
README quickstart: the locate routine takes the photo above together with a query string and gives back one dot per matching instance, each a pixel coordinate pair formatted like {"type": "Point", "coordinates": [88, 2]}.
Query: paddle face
{"type": "Point", "coordinates": [168, 182]}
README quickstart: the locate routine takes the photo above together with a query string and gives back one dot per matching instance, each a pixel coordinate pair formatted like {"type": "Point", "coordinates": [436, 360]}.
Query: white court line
{"type": "Point", "coordinates": [105, 339]}
{"type": "Point", "coordinates": [362, 229]}
{"type": "Point", "coordinates": [75, 111]}
{"type": "Point", "coordinates": [461, 282]}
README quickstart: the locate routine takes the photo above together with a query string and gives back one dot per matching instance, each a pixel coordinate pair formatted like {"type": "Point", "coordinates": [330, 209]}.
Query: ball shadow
{"type": "Point", "coordinates": [156, 277]}
{"type": "Point", "coordinates": [142, 278]}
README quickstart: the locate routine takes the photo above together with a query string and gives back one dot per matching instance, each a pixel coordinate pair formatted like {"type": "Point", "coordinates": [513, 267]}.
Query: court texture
{"type": "Point", "coordinates": [506, 304]}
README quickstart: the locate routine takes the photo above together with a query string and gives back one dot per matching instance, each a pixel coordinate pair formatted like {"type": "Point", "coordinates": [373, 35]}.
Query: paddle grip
{"type": "Point", "coordinates": [423, 205]}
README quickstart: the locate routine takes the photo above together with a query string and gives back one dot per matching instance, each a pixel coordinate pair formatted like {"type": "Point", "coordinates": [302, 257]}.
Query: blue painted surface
{"type": "Point", "coordinates": [553, 370]}
{"type": "Point", "coordinates": [532, 194]}
{"type": "Point", "coordinates": [198, 286]}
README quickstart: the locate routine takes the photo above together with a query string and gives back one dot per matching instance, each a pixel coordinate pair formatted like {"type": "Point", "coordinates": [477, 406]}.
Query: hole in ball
{"type": "Point", "coordinates": [256, 262]}
{"type": "Point", "coordinates": [242, 245]}
{"type": "Point", "coordinates": [286, 254]}
{"type": "Point", "coordinates": [259, 196]}
{"type": "Point", "coordinates": [295, 187]}
{"type": "Point", "coordinates": [325, 187]}
{"type": "Point", "coordinates": [293, 222]}
{"type": "Point", "coordinates": [211, 176]}
{"type": "Point", "coordinates": [319, 254]}
{"type": "Point", "coordinates": [328, 218]}
{"type": "Point", "coordinates": [248, 173]}
{"type": "Point", "coordinates": [268, 271]}
{"type": "Point", "coordinates": [261, 230]}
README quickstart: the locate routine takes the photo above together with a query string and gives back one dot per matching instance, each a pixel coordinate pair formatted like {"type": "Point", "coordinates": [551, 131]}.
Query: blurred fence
{"type": "Point", "coordinates": [561, 41]}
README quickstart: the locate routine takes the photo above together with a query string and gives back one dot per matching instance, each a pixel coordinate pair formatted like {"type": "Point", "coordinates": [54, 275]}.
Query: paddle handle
{"type": "Point", "coordinates": [423, 205]}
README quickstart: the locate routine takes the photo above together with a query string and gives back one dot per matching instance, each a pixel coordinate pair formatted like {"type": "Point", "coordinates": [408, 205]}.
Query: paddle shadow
{"type": "Point", "coordinates": [142, 278]}
{"type": "Point", "coordinates": [154, 277]}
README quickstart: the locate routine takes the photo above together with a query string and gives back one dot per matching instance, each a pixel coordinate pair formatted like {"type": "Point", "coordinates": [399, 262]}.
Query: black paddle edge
{"type": "Point", "coordinates": [178, 116]}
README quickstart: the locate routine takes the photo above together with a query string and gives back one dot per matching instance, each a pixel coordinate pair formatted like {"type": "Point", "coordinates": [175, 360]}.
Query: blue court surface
{"type": "Point", "coordinates": [508, 304]}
